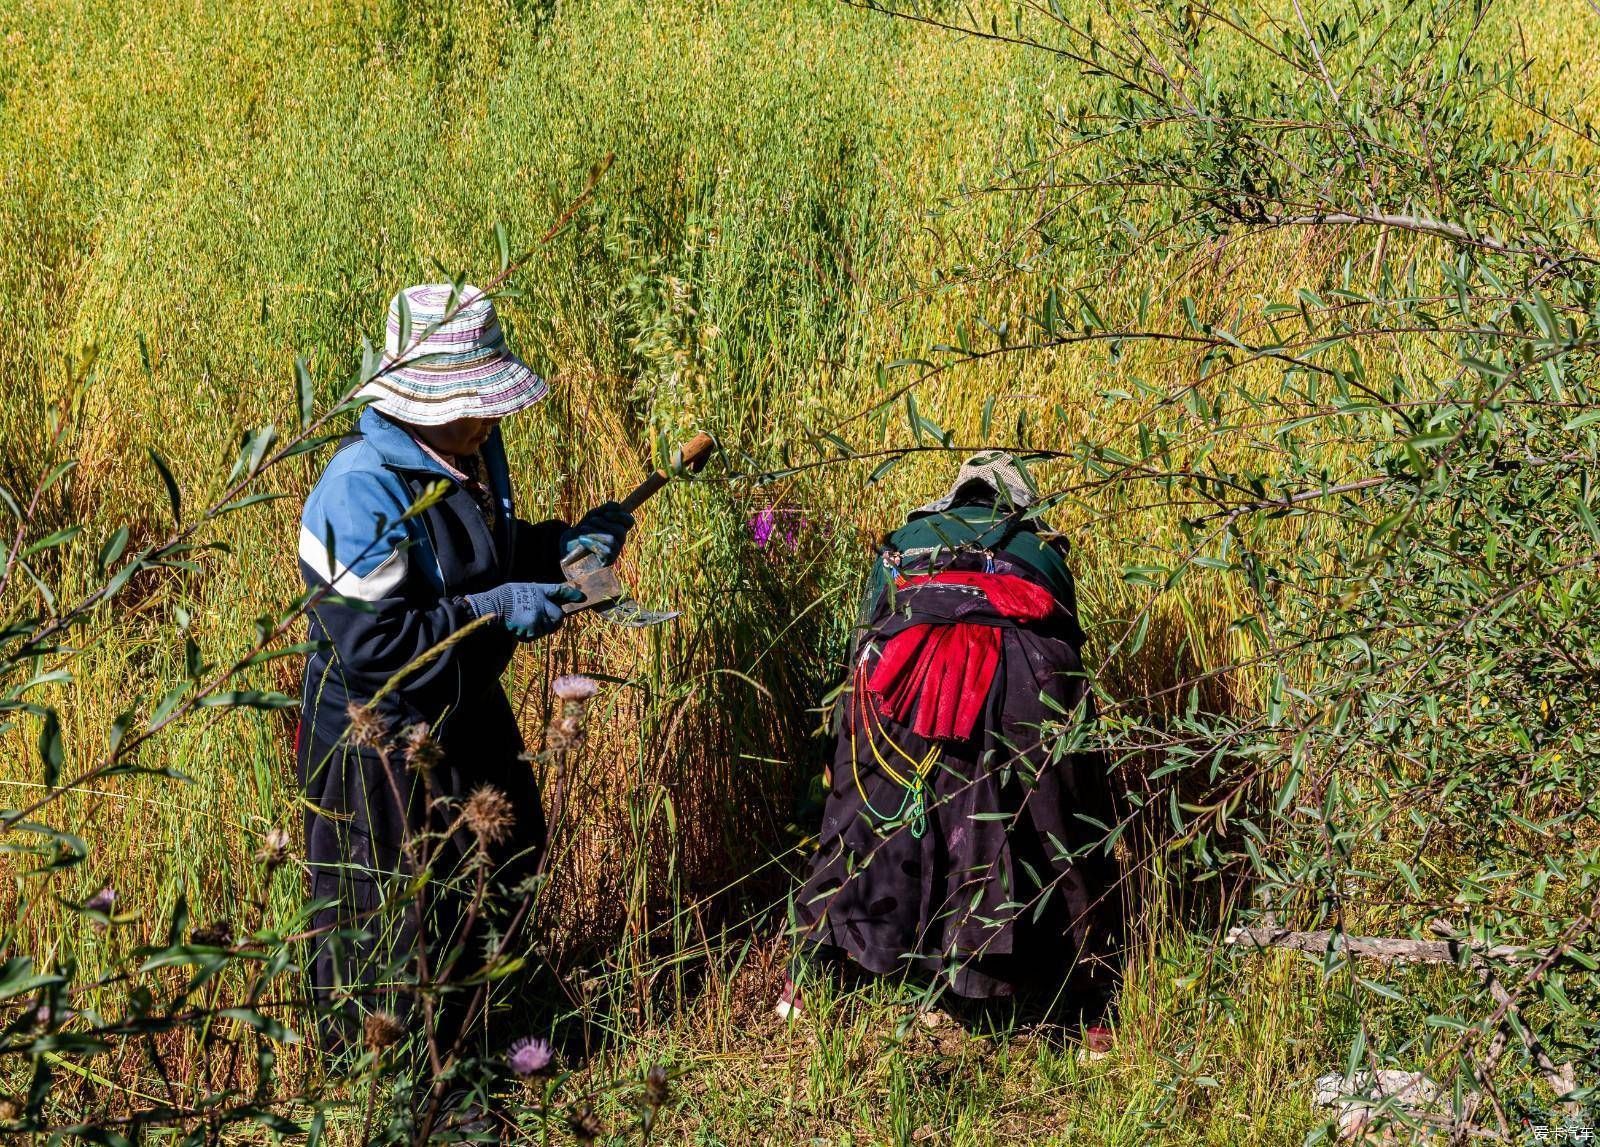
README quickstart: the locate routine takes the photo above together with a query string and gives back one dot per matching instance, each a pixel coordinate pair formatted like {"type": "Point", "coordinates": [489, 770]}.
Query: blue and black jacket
{"type": "Point", "coordinates": [398, 583]}
{"type": "Point", "coordinates": [402, 579]}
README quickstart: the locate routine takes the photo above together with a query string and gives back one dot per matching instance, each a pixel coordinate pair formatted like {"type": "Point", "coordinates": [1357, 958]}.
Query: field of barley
{"type": "Point", "coordinates": [793, 202]}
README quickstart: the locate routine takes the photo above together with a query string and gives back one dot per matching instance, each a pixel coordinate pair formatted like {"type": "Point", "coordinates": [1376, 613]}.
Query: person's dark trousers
{"type": "Point", "coordinates": [368, 825]}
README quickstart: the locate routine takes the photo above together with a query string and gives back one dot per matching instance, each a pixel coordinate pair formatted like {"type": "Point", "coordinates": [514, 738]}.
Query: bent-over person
{"type": "Point", "coordinates": [952, 847]}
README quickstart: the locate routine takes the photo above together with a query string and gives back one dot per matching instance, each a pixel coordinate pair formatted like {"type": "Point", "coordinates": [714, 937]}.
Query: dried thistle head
{"type": "Point", "coordinates": [368, 729]}
{"type": "Point", "coordinates": [656, 1088]}
{"type": "Point", "coordinates": [489, 815]}
{"type": "Point", "coordinates": [218, 935]}
{"type": "Point", "coordinates": [274, 850]}
{"type": "Point", "coordinates": [380, 1030]}
{"type": "Point", "coordinates": [421, 751]}
{"type": "Point", "coordinates": [574, 691]}
{"type": "Point", "coordinates": [564, 734]}
{"type": "Point", "coordinates": [584, 1126]}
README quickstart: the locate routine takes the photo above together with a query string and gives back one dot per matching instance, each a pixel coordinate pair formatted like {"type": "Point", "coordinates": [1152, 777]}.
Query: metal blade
{"type": "Point", "coordinates": [603, 593]}
{"type": "Point", "coordinates": [599, 587]}
{"type": "Point", "coordinates": [631, 615]}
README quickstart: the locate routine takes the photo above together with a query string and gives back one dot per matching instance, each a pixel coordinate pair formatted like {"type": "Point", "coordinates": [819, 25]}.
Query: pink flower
{"type": "Point", "coordinates": [531, 1056]}
{"type": "Point", "coordinates": [574, 687]}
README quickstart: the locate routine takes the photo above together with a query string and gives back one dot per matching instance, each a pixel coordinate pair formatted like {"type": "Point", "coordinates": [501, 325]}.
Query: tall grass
{"type": "Point", "coordinates": [197, 192]}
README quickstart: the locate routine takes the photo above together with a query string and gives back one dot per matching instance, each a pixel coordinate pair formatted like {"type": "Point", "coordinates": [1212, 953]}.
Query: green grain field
{"type": "Point", "coordinates": [793, 204]}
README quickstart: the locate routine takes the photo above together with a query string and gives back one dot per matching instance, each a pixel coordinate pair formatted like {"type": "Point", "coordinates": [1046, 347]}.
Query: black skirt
{"type": "Point", "coordinates": [976, 861]}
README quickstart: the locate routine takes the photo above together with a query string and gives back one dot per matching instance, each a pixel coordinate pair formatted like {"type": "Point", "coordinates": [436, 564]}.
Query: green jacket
{"type": "Point", "coordinates": [982, 527]}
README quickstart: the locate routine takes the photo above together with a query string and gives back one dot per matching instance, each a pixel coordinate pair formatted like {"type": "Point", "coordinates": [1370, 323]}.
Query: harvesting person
{"type": "Point", "coordinates": [959, 843]}
{"type": "Point", "coordinates": [408, 746]}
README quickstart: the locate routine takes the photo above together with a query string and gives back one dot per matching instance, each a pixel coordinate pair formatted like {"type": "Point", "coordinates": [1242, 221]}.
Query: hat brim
{"type": "Point", "coordinates": [997, 472]}
{"type": "Point", "coordinates": [423, 396]}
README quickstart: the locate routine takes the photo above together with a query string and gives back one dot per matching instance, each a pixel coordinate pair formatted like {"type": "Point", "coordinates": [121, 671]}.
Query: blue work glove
{"type": "Point", "coordinates": [528, 609]}
{"type": "Point", "coordinates": [603, 529]}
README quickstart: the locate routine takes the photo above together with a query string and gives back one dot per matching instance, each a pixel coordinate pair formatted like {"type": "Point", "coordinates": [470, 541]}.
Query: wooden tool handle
{"type": "Point", "coordinates": [691, 458]}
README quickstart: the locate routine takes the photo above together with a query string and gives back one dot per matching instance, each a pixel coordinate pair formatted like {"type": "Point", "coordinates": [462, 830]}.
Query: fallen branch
{"type": "Point", "coordinates": [1386, 948]}
{"type": "Point", "coordinates": [1391, 949]}
{"type": "Point", "coordinates": [1562, 1079]}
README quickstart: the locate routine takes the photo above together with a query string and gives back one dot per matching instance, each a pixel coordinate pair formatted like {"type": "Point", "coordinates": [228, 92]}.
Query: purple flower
{"type": "Point", "coordinates": [102, 901]}
{"type": "Point", "coordinates": [795, 521]}
{"type": "Point", "coordinates": [530, 1056]}
{"type": "Point", "coordinates": [785, 521]}
{"type": "Point", "coordinates": [761, 527]}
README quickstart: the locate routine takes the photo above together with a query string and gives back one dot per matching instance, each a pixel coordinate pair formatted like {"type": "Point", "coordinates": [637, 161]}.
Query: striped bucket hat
{"type": "Point", "coordinates": [450, 361]}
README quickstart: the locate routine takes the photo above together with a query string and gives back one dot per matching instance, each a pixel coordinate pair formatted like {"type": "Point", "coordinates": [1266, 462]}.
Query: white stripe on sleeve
{"type": "Point", "coordinates": [381, 582]}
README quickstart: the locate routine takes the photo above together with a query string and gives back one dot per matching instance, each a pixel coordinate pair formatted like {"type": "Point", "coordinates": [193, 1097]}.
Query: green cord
{"type": "Point", "coordinates": [916, 796]}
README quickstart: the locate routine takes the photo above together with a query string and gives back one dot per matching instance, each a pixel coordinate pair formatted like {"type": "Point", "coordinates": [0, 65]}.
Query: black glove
{"type": "Point", "coordinates": [528, 609]}
{"type": "Point", "coordinates": [603, 530]}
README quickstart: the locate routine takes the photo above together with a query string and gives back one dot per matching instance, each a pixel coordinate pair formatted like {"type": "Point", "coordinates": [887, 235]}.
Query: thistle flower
{"type": "Point", "coordinates": [761, 524]}
{"type": "Point", "coordinates": [367, 728]}
{"type": "Point", "coordinates": [380, 1030]}
{"type": "Point", "coordinates": [421, 751]}
{"type": "Point", "coordinates": [565, 731]}
{"type": "Point", "coordinates": [489, 815]}
{"type": "Point", "coordinates": [274, 850]}
{"type": "Point", "coordinates": [103, 901]}
{"type": "Point", "coordinates": [574, 687]}
{"type": "Point", "coordinates": [530, 1056]}
{"type": "Point", "coordinates": [784, 521]}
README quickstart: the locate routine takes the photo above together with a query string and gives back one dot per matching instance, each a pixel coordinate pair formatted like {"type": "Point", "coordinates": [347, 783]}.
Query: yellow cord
{"type": "Point", "coordinates": [915, 788]}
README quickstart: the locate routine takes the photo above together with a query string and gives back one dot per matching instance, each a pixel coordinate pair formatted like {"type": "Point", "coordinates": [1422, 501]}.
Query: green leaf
{"type": "Point", "coordinates": [168, 703]}
{"type": "Point", "coordinates": [403, 305]}
{"type": "Point", "coordinates": [371, 360]}
{"type": "Point", "coordinates": [305, 392]}
{"type": "Point", "coordinates": [1141, 630]}
{"type": "Point", "coordinates": [17, 978]}
{"type": "Point", "coordinates": [266, 1025]}
{"type": "Point", "coordinates": [272, 1121]}
{"type": "Point", "coordinates": [245, 503]}
{"type": "Point", "coordinates": [248, 699]}
{"type": "Point", "coordinates": [303, 647]}
{"type": "Point", "coordinates": [174, 498]}
{"type": "Point", "coordinates": [51, 750]}
{"type": "Point", "coordinates": [51, 540]}
{"type": "Point", "coordinates": [57, 472]}
{"type": "Point", "coordinates": [112, 550]}
{"type": "Point", "coordinates": [252, 450]}
{"type": "Point", "coordinates": [307, 445]}
{"type": "Point", "coordinates": [503, 242]}
{"type": "Point", "coordinates": [425, 501]}
{"type": "Point", "coordinates": [882, 468]}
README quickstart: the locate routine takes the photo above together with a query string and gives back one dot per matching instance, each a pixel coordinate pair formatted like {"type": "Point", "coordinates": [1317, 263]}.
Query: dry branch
{"type": "Point", "coordinates": [1386, 948]}
{"type": "Point", "coordinates": [1392, 949]}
